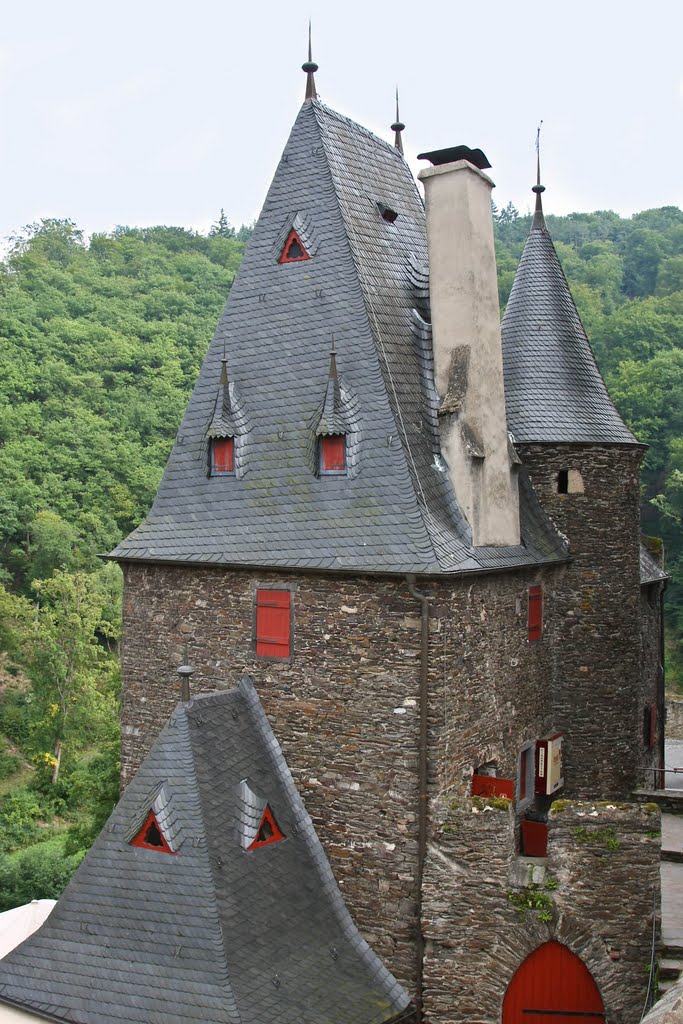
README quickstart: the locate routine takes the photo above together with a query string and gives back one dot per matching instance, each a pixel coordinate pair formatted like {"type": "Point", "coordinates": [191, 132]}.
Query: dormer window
{"type": "Point", "coordinates": [222, 455]}
{"type": "Point", "coordinates": [293, 250]}
{"type": "Point", "coordinates": [386, 213]}
{"type": "Point", "coordinates": [151, 837]}
{"type": "Point", "coordinates": [333, 454]}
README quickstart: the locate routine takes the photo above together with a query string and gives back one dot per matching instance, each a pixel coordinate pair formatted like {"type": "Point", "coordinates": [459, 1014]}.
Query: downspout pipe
{"type": "Point", "coordinates": [660, 782]}
{"type": "Point", "coordinates": [422, 798]}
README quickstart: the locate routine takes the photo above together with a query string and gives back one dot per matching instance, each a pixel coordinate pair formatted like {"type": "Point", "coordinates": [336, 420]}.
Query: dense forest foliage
{"type": "Point", "coordinates": [100, 344]}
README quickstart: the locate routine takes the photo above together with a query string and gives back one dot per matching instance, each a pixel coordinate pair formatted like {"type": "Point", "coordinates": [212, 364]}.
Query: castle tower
{"type": "Point", "coordinates": [584, 464]}
{"type": "Point", "coordinates": [324, 524]}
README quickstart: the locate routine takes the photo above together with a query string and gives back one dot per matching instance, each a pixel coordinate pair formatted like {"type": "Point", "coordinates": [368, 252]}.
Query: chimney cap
{"type": "Point", "coordinates": [453, 153]}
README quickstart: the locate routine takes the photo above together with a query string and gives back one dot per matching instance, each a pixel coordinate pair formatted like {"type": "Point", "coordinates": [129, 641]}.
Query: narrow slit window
{"type": "Point", "coordinates": [563, 481]}
{"type": "Point", "coordinates": [333, 454]}
{"type": "Point", "coordinates": [273, 623]}
{"type": "Point", "coordinates": [535, 612]}
{"type": "Point", "coordinates": [293, 250]}
{"type": "Point", "coordinates": [222, 456]}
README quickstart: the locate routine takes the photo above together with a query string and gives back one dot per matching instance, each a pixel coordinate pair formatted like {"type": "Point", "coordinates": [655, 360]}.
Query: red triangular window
{"type": "Point", "coordinates": [268, 831]}
{"type": "Point", "coordinates": [293, 250]}
{"type": "Point", "coordinates": [150, 836]}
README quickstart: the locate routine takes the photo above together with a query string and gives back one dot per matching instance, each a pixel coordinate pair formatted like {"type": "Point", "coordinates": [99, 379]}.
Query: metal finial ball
{"type": "Point", "coordinates": [398, 126]}
{"type": "Point", "coordinates": [309, 67]}
{"type": "Point", "coordinates": [538, 188]}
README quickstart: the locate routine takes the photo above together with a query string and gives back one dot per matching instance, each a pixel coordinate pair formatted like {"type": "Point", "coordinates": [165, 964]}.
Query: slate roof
{"type": "Point", "coordinates": [395, 510]}
{"type": "Point", "coordinates": [213, 932]}
{"type": "Point", "coordinates": [553, 389]}
{"type": "Point", "coordinates": [650, 571]}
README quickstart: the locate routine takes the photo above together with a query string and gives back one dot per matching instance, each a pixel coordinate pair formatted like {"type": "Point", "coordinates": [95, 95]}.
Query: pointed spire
{"type": "Point", "coordinates": [397, 127]}
{"type": "Point", "coordinates": [539, 220]}
{"type": "Point", "coordinates": [310, 67]}
{"type": "Point", "coordinates": [224, 369]}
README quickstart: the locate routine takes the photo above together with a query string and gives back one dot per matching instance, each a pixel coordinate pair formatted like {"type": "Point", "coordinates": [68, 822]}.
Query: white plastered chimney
{"type": "Point", "coordinates": [468, 357]}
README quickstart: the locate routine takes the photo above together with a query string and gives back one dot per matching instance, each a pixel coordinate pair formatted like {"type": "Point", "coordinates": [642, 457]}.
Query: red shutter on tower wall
{"type": "Point", "coordinates": [535, 612]}
{"type": "Point", "coordinates": [333, 453]}
{"type": "Point", "coordinates": [273, 623]}
{"type": "Point", "coordinates": [223, 455]}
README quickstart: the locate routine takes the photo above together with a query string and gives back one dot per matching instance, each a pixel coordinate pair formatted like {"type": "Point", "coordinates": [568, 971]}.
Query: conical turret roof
{"type": "Point", "coordinates": [554, 391]}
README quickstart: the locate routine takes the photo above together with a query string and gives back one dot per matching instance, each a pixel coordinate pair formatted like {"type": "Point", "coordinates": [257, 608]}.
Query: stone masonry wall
{"type": "Point", "coordinates": [596, 633]}
{"type": "Point", "coordinates": [594, 894]}
{"type": "Point", "coordinates": [345, 707]}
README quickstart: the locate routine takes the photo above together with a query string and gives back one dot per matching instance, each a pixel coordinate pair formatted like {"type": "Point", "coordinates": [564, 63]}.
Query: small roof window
{"type": "Point", "coordinates": [150, 836]}
{"type": "Point", "coordinates": [222, 456]}
{"type": "Point", "coordinates": [386, 213]}
{"type": "Point", "coordinates": [293, 250]}
{"type": "Point", "coordinates": [333, 454]}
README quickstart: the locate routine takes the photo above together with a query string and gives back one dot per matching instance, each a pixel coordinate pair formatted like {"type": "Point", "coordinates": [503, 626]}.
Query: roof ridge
{"type": "Point", "coordinates": [344, 119]}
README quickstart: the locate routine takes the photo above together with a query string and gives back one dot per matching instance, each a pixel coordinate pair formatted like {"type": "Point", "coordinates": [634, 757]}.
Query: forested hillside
{"type": "Point", "coordinates": [100, 344]}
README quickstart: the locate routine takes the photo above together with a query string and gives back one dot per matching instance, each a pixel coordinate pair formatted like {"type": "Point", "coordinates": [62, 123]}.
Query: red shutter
{"type": "Point", "coordinates": [150, 836]}
{"type": "Point", "coordinates": [273, 623]}
{"type": "Point", "coordinates": [223, 455]}
{"type": "Point", "coordinates": [268, 831]}
{"type": "Point", "coordinates": [493, 785]}
{"type": "Point", "coordinates": [535, 612]}
{"type": "Point", "coordinates": [333, 453]}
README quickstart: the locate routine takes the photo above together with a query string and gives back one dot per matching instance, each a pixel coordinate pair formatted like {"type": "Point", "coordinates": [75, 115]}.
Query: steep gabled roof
{"type": "Point", "coordinates": [213, 932]}
{"type": "Point", "coordinates": [553, 389]}
{"type": "Point", "coordinates": [396, 512]}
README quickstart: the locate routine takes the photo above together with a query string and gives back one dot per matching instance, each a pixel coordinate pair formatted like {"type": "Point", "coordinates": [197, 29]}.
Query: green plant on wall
{"type": "Point", "coordinates": [598, 837]}
{"type": "Point", "coordinates": [534, 898]}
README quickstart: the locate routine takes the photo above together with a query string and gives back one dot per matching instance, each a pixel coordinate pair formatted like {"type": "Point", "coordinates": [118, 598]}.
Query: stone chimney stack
{"type": "Point", "coordinates": [468, 360]}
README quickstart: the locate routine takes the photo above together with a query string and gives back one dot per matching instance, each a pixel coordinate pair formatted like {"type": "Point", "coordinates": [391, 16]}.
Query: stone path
{"type": "Point", "coordinates": [673, 758]}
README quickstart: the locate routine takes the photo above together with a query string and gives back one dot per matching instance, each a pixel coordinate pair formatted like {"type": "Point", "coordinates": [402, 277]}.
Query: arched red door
{"type": "Point", "coordinates": [553, 986]}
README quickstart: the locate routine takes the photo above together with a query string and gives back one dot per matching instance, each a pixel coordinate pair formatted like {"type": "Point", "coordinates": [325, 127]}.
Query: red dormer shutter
{"type": "Point", "coordinates": [273, 623]}
{"type": "Point", "coordinates": [535, 612]}
{"type": "Point", "coordinates": [223, 455]}
{"type": "Point", "coordinates": [333, 454]}
{"type": "Point", "coordinates": [293, 250]}
{"type": "Point", "coordinates": [150, 836]}
{"type": "Point", "coordinates": [268, 831]}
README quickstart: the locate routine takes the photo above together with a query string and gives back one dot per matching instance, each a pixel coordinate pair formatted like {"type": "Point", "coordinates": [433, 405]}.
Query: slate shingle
{"type": "Point", "coordinates": [214, 933]}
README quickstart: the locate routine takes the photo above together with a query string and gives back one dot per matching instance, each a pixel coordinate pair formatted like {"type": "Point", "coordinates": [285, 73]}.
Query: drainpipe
{"type": "Point", "coordinates": [422, 785]}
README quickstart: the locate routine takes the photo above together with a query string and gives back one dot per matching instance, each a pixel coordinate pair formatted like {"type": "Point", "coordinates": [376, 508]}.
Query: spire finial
{"type": "Point", "coordinates": [224, 367]}
{"type": "Point", "coordinates": [397, 127]}
{"type": "Point", "coordinates": [310, 67]}
{"type": "Point", "coordinates": [539, 220]}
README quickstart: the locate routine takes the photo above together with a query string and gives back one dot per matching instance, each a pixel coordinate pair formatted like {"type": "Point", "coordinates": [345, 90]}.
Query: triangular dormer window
{"type": "Point", "coordinates": [268, 831]}
{"type": "Point", "coordinates": [293, 250]}
{"type": "Point", "coordinates": [150, 836]}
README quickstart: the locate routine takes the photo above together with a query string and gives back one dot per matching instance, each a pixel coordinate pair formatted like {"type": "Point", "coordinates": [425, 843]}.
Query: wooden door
{"type": "Point", "coordinates": [553, 986]}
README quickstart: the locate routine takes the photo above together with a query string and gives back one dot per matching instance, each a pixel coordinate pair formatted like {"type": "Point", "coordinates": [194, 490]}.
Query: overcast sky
{"type": "Point", "coordinates": [153, 112]}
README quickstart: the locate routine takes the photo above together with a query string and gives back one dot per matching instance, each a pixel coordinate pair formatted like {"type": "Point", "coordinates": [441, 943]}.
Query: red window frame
{"type": "Point", "coordinates": [291, 238]}
{"type": "Point", "coordinates": [276, 833]}
{"type": "Point", "coordinates": [333, 453]}
{"type": "Point", "coordinates": [139, 838]}
{"type": "Point", "coordinates": [535, 621]}
{"type": "Point", "coordinates": [222, 456]}
{"type": "Point", "coordinates": [273, 623]}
